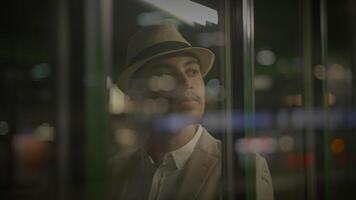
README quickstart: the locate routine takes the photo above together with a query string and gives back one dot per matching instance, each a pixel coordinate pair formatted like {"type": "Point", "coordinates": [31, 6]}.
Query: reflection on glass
{"type": "Point", "coordinates": [175, 155]}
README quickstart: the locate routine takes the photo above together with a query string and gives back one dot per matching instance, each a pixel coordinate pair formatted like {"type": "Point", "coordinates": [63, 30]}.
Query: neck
{"type": "Point", "coordinates": [158, 146]}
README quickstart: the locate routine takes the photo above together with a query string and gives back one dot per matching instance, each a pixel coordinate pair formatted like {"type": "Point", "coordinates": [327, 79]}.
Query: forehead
{"type": "Point", "coordinates": [171, 59]}
{"type": "Point", "coordinates": [169, 62]}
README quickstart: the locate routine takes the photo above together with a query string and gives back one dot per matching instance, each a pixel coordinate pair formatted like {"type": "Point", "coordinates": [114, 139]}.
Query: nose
{"type": "Point", "coordinates": [183, 81]}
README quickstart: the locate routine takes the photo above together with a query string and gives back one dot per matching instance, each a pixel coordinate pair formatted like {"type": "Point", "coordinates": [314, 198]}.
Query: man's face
{"type": "Point", "coordinates": [178, 80]}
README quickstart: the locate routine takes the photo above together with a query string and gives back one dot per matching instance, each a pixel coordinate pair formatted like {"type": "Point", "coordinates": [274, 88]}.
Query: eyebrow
{"type": "Point", "coordinates": [192, 61]}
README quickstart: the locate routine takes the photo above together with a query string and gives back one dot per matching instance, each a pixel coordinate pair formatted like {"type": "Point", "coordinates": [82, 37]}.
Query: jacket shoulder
{"type": "Point", "coordinates": [264, 185]}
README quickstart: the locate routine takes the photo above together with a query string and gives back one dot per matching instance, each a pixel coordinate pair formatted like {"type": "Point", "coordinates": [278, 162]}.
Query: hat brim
{"type": "Point", "coordinates": [205, 57]}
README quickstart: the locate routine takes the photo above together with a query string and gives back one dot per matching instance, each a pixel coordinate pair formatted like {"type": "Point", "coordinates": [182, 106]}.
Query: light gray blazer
{"type": "Point", "coordinates": [201, 178]}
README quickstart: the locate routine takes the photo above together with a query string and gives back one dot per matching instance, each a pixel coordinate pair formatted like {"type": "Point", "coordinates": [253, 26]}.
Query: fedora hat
{"type": "Point", "coordinates": [154, 41]}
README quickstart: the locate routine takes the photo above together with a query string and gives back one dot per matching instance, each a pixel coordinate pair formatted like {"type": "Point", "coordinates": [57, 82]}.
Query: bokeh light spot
{"type": "Point", "coordinates": [126, 138]}
{"type": "Point", "coordinates": [337, 145]}
{"type": "Point", "coordinates": [266, 57]}
{"type": "Point", "coordinates": [319, 72]}
{"type": "Point", "coordinates": [41, 71]}
{"type": "Point", "coordinates": [4, 128]}
{"type": "Point", "coordinates": [263, 82]}
{"type": "Point", "coordinates": [286, 143]}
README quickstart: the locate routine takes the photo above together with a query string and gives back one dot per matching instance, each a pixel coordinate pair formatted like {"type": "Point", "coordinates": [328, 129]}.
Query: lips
{"type": "Point", "coordinates": [187, 101]}
{"type": "Point", "coordinates": [188, 98]}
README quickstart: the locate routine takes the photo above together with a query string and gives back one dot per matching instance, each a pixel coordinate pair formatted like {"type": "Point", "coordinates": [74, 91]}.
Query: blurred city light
{"type": "Point", "coordinates": [186, 10]}
{"type": "Point", "coordinates": [40, 71]}
{"type": "Point", "coordinates": [337, 72]}
{"type": "Point", "coordinates": [213, 86]}
{"type": "Point", "coordinates": [294, 100]}
{"type": "Point", "coordinates": [263, 82]}
{"type": "Point", "coordinates": [337, 145]}
{"type": "Point", "coordinates": [298, 119]}
{"type": "Point", "coordinates": [293, 161]}
{"type": "Point", "coordinates": [45, 132]}
{"type": "Point", "coordinates": [215, 91]}
{"type": "Point", "coordinates": [309, 160]}
{"type": "Point", "coordinates": [298, 161]}
{"type": "Point", "coordinates": [286, 143]}
{"type": "Point", "coordinates": [266, 57]}
{"type": "Point", "coordinates": [331, 99]}
{"type": "Point", "coordinates": [263, 145]}
{"type": "Point", "coordinates": [171, 123]}
{"type": "Point", "coordinates": [214, 121]}
{"type": "Point", "coordinates": [263, 120]}
{"type": "Point", "coordinates": [283, 119]}
{"type": "Point", "coordinates": [320, 72]}
{"type": "Point", "coordinates": [31, 153]}
{"type": "Point", "coordinates": [126, 138]}
{"type": "Point", "coordinates": [4, 128]}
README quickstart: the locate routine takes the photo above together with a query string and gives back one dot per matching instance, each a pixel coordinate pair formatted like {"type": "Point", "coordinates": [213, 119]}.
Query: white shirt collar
{"type": "Point", "coordinates": [182, 154]}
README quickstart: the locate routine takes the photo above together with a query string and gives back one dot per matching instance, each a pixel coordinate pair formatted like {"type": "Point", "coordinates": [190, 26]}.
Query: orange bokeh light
{"type": "Point", "coordinates": [337, 145]}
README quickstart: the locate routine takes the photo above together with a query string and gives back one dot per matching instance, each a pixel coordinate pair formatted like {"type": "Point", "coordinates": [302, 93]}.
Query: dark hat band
{"type": "Point", "coordinates": [157, 49]}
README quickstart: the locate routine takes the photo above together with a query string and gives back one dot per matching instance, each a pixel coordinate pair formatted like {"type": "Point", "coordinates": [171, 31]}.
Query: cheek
{"type": "Point", "coordinates": [202, 94]}
{"type": "Point", "coordinates": [202, 88]}
{"type": "Point", "coordinates": [202, 106]}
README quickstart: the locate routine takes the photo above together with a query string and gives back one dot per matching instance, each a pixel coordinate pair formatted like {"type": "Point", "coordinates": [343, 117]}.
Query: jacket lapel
{"type": "Point", "coordinates": [200, 165]}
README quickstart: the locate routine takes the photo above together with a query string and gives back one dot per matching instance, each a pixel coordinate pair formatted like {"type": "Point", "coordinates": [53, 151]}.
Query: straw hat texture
{"type": "Point", "coordinates": [155, 41]}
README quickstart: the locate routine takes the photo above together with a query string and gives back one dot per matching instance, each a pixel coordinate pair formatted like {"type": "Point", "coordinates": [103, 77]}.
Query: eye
{"type": "Point", "coordinates": [162, 72]}
{"type": "Point", "coordinates": [192, 72]}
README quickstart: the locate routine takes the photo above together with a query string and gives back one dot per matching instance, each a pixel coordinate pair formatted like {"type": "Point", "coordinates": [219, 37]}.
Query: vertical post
{"type": "Point", "coordinates": [97, 62]}
{"type": "Point", "coordinates": [324, 62]}
{"type": "Point", "coordinates": [307, 32]}
{"type": "Point", "coordinates": [249, 97]}
{"type": "Point", "coordinates": [228, 139]}
{"type": "Point", "coordinates": [352, 5]}
{"type": "Point", "coordinates": [63, 98]}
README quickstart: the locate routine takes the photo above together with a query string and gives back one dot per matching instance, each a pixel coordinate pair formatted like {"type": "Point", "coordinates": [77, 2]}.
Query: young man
{"type": "Point", "coordinates": [179, 159]}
